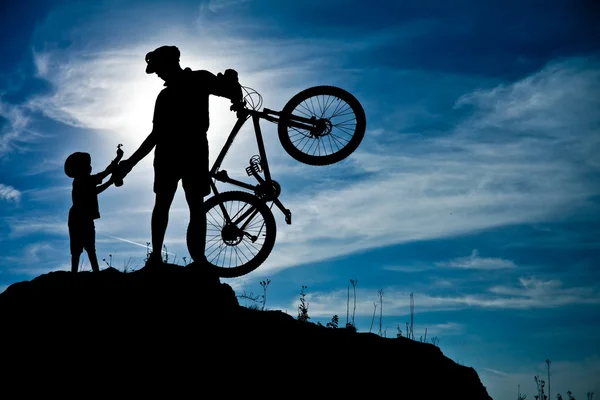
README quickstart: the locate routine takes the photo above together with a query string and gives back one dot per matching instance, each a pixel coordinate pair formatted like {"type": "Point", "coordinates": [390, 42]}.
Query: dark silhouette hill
{"type": "Point", "coordinates": [180, 328]}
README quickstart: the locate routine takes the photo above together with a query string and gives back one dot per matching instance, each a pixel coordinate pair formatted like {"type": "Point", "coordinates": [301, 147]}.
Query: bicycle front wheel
{"type": "Point", "coordinates": [337, 128]}
{"type": "Point", "coordinates": [240, 233]}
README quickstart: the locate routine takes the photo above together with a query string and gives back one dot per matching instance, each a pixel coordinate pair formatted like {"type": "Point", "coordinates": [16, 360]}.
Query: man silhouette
{"type": "Point", "coordinates": [180, 125]}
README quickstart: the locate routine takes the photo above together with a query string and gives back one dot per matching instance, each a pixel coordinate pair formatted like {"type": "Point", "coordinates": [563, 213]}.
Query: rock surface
{"type": "Point", "coordinates": [181, 329]}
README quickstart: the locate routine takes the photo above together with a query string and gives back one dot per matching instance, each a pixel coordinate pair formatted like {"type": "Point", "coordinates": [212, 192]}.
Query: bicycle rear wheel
{"type": "Point", "coordinates": [237, 248]}
{"type": "Point", "coordinates": [338, 128]}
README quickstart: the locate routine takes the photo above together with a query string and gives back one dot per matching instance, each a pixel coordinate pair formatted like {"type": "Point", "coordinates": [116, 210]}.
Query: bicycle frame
{"type": "Point", "coordinates": [221, 175]}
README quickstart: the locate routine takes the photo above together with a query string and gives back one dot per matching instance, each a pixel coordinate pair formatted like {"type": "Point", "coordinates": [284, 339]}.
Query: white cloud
{"type": "Point", "coordinates": [17, 132]}
{"type": "Point", "coordinates": [47, 194]}
{"type": "Point", "coordinates": [578, 376]}
{"type": "Point", "coordinates": [41, 61]}
{"type": "Point", "coordinates": [35, 257]}
{"type": "Point", "coordinates": [529, 293]}
{"type": "Point", "coordinates": [550, 292]}
{"type": "Point", "coordinates": [45, 166]}
{"type": "Point", "coordinates": [48, 224]}
{"type": "Point", "coordinates": [220, 5]}
{"type": "Point", "coordinates": [515, 160]}
{"type": "Point", "coordinates": [103, 91]}
{"type": "Point", "coordinates": [443, 329]}
{"type": "Point", "coordinates": [522, 156]}
{"type": "Point", "coordinates": [31, 254]}
{"type": "Point", "coordinates": [407, 268]}
{"type": "Point", "coordinates": [474, 261]}
{"type": "Point", "coordinates": [9, 193]}
{"type": "Point", "coordinates": [34, 270]}
{"type": "Point", "coordinates": [109, 93]}
{"type": "Point", "coordinates": [496, 372]}
{"type": "Point", "coordinates": [448, 326]}
{"type": "Point", "coordinates": [554, 99]}
{"type": "Point", "coordinates": [34, 252]}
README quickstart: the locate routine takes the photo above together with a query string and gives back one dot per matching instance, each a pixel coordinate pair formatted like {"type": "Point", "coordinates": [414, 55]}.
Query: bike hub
{"type": "Point", "coordinates": [232, 235]}
{"type": "Point", "coordinates": [323, 127]}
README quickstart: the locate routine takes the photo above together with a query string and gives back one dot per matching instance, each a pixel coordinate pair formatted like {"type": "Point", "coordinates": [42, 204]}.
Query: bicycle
{"type": "Point", "coordinates": [239, 221]}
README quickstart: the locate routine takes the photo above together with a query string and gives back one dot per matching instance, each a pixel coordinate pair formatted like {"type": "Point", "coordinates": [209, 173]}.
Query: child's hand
{"type": "Point", "coordinates": [112, 167]}
{"type": "Point", "coordinates": [124, 168]}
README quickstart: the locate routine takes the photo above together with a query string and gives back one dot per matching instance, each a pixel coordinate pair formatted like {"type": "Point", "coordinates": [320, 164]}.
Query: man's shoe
{"type": "Point", "coordinates": [154, 259]}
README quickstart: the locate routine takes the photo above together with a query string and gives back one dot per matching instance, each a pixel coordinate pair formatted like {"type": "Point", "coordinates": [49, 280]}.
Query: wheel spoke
{"type": "Point", "coordinates": [328, 105]}
{"type": "Point", "coordinates": [342, 110]}
{"type": "Point", "coordinates": [334, 109]}
{"type": "Point", "coordinates": [228, 247]}
{"type": "Point", "coordinates": [308, 113]}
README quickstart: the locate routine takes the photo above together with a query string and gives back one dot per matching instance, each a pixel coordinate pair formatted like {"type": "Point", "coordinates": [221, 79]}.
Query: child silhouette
{"type": "Point", "coordinates": [86, 187]}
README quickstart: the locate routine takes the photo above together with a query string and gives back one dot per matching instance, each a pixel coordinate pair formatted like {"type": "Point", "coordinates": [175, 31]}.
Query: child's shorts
{"type": "Point", "coordinates": [83, 235]}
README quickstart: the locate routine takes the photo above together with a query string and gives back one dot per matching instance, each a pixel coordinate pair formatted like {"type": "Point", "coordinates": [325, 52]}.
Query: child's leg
{"type": "Point", "coordinates": [74, 262]}
{"type": "Point", "coordinates": [90, 245]}
{"type": "Point", "coordinates": [76, 245]}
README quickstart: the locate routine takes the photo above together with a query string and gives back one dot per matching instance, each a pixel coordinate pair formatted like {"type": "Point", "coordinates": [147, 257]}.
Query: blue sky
{"type": "Point", "coordinates": [475, 187]}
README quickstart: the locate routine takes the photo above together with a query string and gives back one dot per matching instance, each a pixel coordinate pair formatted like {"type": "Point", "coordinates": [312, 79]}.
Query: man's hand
{"type": "Point", "coordinates": [230, 75]}
{"type": "Point", "coordinates": [238, 105]}
{"type": "Point", "coordinates": [231, 86]}
{"type": "Point", "coordinates": [124, 167]}
{"type": "Point", "coordinates": [239, 108]}
{"type": "Point", "coordinates": [121, 171]}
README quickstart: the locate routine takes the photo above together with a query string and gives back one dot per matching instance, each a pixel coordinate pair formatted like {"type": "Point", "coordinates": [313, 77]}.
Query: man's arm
{"type": "Point", "coordinates": [145, 148]}
{"type": "Point", "coordinates": [147, 145]}
{"type": "Point", "coordinates": [224, 85]}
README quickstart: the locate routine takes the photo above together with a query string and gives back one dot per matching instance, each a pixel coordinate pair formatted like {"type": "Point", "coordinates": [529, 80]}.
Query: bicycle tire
{"type": "Point", "coordinates": [287, 133]}
{"type": "Point", "coordinates": [217, 225]}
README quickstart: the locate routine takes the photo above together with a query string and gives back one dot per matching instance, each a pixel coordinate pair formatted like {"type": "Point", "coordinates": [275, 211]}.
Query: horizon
{"type": "Point", "coordinates": [476, 186]}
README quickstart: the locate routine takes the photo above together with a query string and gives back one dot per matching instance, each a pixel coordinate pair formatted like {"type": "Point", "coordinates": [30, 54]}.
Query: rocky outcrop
{"type": "Point", "coordinates": [180, 328]}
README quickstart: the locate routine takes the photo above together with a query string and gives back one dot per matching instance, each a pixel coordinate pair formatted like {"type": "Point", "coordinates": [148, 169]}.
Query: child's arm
{"type": "Point", "coordinates": [103, 174]}
{"type": "Point", "coordinates": [111, 167]}
{"type": "Point", "coordinates": [101, 188]}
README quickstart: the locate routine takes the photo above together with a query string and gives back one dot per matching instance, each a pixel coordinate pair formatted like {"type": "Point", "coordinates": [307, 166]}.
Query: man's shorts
{"type": "Point", "coordinates": [167, 181]}
{"type": "Point", "coordinates": [82, 233]}
{"type": "Point", "coordinates": [193, 173]}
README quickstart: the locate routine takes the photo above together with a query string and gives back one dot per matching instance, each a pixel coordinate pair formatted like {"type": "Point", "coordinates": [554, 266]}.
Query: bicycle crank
{"type": "Point", "coordinates": [268, 192]}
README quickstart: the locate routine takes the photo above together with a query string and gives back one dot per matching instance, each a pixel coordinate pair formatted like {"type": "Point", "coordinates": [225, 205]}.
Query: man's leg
{"type": "Point", "coordinates": [165, 186]}
{"type": "Point", "coordinates": [160, 219]}
{"type": "Point", "coordinates": [197, 226]}
{"type": "Point", "coordinates": [93, 260]}
{"type": "Point", "coordinates": [74, 262]}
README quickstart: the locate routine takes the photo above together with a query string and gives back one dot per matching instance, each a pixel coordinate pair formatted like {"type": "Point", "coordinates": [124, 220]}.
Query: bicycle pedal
{"type": "Point", "coordinates": [255, 165]}
{"type": "Point", "coordinates": [252, 169]}
{"type": "Point", "coordinates": [288, 217]}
